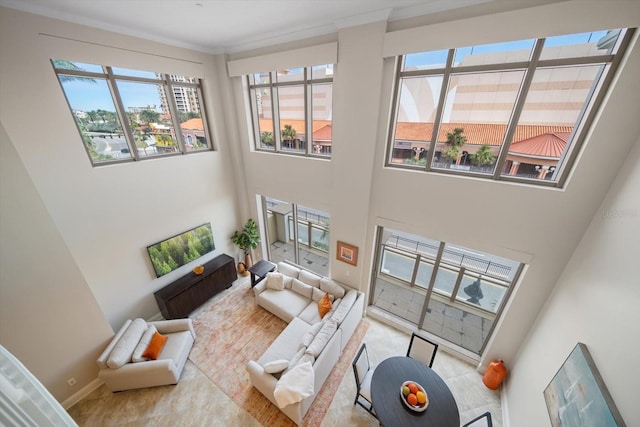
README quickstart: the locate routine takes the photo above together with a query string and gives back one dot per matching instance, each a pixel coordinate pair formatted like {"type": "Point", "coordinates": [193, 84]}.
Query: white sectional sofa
{"type": "Point", "coordinates": [307, 338]}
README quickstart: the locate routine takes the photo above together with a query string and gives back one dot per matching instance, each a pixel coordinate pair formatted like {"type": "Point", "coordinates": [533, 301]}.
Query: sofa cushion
{"type": "Point", "coordinates": [175, 346]}
{"type": "Point", "coordinates": [288, 269]}
{"type": "Point", "coordinates": [287, 343]}
{"type": "Point", "coordinates": [332, 287]}
{"type": "Point", "coordinates": [276, 366]}
{"type": "Point", "coordinates": [344, 307]}
{"type": "Point", "coordinates": [143, 344]}
{"type": "Point", "coordinates": [285, 304]}
{"type": "Point", "coordinates": [322, 338]}
{"type": "Point", "coordinates": [310, 314]}
{"type": "Point", "coordinates": [287, 281]}
{"type": "Point", "coordinates": [302, 289]}
{"type": "Point", "coordinates": [123, 350]}
{"type": "Point", "coordinates": [309, 278]}
{"type": "Point", "coordinates": [311, 333]}
{"type": "Point", "coordinates": [294, 385]}
{"type": "Point", "coordinates": [318, 294]}
{"type": "Point", "coordinates": [275, 281]}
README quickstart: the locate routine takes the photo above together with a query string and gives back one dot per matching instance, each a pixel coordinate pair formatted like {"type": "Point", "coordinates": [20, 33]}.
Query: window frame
{"type": "Point", "coordinates": [307, 82]}
{"type": "Point", "coordinates": [586, 117]}
{"type": "Point", "coordinates": [163, 79]}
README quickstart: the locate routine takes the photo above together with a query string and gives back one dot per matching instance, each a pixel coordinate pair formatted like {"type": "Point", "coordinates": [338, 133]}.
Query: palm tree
{"type": "Point", "coordinates": [455, 141]}
{"type": "Point", "coordinates": [483, 156]}
{"type": "Point", "coordinates": [288, 133]}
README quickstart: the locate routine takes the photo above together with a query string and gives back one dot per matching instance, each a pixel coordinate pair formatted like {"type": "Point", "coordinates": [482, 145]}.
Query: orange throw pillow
{"type": "Point", "coordinates": [324, 305]}
{"type": "Point", "coordinates": [155, 346]}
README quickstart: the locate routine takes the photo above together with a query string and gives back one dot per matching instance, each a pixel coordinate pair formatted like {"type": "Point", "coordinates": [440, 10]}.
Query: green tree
{"type": "Point", "coordinates": [266, 138]}
{"type": "Point", "coordinates": [289, 134]}
{"type": "Point", "coordinates": [483, 156]}
{"type": "Point", "coordinates": [455, 141]}
{"type": "Point", "coordinates": [149, 116]}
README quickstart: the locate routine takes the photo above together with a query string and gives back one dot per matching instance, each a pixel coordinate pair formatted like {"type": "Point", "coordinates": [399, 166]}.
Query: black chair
{"type": "Point", "coordinates": [483, 420]}
{"type": "Point", "coordinates": [363, 372]}
{"type": "Point", "coordinates": [422, 349]}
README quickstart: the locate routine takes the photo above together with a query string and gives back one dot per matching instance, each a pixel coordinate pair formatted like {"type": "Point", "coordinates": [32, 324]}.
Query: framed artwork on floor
{"type": "Point", "coordinates": [347, 253]}
{"type": "Point", "coordinates": [577, 395]}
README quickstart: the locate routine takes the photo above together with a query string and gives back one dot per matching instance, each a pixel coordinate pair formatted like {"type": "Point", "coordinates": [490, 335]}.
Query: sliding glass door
{"type": "Point", "coordinates": [450, 291]}
{"type": "Point", "coordinates": [297, 234]}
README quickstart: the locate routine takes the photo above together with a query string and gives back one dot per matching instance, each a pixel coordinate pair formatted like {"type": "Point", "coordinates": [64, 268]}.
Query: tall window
{"type": "Point", "coordinates": [126, 115]}
{"type": "Point", "coordinates": [292, 110]}
{"type": "Point", "coordinates": [297, 234]}
{"type": "Point", "coordinates": [452, 292]}
{"type": "Point", "coordinates": [511, 111]}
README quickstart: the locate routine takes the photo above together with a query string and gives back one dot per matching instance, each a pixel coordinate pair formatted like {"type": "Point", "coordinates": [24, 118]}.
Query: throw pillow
{"type": "Point", "coordinates": [275, 281]}
{"type": "Point", "coordinates": [123, 351]}
{"type": "Point", "coordinates": [143, 344]}
{"type": "Point", "coordinates": [276, 366]}
{"type": "Point", "coordinates": [155, 346]}
{"type": "Point", "coordinates": [324, 305]}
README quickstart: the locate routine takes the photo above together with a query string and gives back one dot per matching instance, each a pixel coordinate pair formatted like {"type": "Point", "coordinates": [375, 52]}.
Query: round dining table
{"type": "Point", "coordinates": [388, 404]}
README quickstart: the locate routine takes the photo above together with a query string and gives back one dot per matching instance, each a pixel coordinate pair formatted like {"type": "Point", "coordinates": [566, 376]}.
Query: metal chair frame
{"type": "Point", "coordinates": [489, 423]}
{"type": "Point", "coordinates": [435, 347]}
{"type": "Point", "coordinates": [369, 406]}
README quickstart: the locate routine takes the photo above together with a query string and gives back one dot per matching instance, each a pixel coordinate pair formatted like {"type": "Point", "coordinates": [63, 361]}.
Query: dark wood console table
{"type": "Point", "coordinates": [181, 297]}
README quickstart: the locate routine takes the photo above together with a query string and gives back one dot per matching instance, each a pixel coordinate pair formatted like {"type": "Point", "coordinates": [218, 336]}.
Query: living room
{"type": "Point", "coordinates": [74, 263]}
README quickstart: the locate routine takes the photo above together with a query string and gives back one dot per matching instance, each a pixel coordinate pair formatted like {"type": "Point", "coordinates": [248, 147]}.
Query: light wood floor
{"type": "Point", "coordinates": [196, 401]}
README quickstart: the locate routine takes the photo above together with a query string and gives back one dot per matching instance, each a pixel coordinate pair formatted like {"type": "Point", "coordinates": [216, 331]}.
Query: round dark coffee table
{"type": "Point", "coordinates": [387, 403]}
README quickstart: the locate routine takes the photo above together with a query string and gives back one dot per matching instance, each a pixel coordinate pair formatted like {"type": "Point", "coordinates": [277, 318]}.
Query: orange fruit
{"type": "Point", "coordinates": [422, 398]}
{"type": "Point", "coordinates": [412, 399]}
{"type": "Point", "coordinates": [412, 387]}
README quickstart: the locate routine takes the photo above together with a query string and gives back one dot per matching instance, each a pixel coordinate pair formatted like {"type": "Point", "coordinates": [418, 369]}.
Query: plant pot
{"type": "Point", "coordinates": [247, 260]}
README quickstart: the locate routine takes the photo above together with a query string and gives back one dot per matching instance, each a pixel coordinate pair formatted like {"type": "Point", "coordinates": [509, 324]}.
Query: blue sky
{"type": "Point", "coordinates": [87, 96]}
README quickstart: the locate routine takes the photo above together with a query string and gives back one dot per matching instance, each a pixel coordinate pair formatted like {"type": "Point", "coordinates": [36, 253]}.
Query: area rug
{"type": "Point", "coordinates": [233, 330]}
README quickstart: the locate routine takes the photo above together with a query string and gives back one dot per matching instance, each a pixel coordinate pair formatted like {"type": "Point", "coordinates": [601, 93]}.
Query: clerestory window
{"type": "Point", "coordinates": [126, 115]}
{"type": "Point", "coordinates": [513, 111]}
{"type": "Point", "coordinates": [292, 110]}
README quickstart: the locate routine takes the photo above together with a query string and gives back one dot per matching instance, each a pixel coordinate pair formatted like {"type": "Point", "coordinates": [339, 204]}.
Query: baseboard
{"type": "Point", "coordinates": [155, 317]}
{"type": "Point", "coordinates": [504, 404]}
{"type": "Point", "coordinates": [81, 394]}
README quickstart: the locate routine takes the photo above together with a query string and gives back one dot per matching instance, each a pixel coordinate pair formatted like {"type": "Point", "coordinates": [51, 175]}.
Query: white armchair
{"type": "Point", "coordinates": [119, 372]}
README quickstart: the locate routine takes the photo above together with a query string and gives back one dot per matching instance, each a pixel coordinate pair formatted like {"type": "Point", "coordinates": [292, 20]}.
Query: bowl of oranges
{"type": "Point", "coordinates": [414, 396]}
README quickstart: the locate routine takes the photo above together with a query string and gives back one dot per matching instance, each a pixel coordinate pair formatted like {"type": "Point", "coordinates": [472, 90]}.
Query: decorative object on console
{"type": "Point", "coordinates": [494, 374]}
{"type": "Point", "coordinates": [198, 270]}
{"type": "Point", "coordinates": [181, 249]}
{"type": "Point", "coordinates": [248, 238]}
{"type": "Point", "coordinates": [578, 397]}
{"type": "Point", "coordinates": [347, 253]}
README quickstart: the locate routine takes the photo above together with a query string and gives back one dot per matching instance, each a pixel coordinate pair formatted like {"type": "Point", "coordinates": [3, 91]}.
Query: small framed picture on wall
{"type": "Point", "coordinates": [347, 253]}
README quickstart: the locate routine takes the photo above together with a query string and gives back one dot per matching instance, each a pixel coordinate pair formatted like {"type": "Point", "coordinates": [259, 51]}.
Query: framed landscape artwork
{"type": "Point", "coordinates": [181, 249]}
{"type": "Point", "coordinates": [347, 253]}
{"type": "Point", "coordinates": [577, 395]}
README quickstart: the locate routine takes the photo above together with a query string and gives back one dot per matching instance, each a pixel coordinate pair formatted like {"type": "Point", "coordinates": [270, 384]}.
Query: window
{"type": "Point", "coordinates": [515, 111]}
{"type": "Point", "coordinates": [126, 115]}
{"type": "Point", "coordinates": [306, 244]}
{"type": "Point", "coordinates": [292, 110]}
{"type": "Point", "coordinates": [453, 292]}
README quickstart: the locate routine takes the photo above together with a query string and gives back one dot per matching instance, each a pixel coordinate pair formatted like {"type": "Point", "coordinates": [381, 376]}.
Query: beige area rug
{"type": "Point", "coordinates": [233, 331]}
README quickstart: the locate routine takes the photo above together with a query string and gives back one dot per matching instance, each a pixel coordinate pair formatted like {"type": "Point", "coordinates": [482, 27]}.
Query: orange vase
{"type": "Point", "coordinates": [494, 374]}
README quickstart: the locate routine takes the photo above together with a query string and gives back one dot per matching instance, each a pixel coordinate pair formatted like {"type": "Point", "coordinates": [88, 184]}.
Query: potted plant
{"type": "Point", "coordinates": [248, 238]}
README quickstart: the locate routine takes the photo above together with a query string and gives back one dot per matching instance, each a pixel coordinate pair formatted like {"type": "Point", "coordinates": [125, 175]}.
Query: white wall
{"type": "Point", "coordinates": [74, 260]}
{"type": "Point", "coordinates": [49, 319]}
{"type": "Point", "coordinates": [108, 215]}
{"type": "Point", "coordinates": [594, 302]}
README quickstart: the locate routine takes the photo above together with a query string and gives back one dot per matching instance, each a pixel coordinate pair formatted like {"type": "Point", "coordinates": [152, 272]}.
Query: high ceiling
{"type": "Point", "coordinates": [227, 26]}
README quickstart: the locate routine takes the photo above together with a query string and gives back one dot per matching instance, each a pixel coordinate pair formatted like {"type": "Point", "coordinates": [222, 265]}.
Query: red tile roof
{"type": "Point", "coordinates": [298, 125]}
{"type": "Point", "coordinates": [194, 124]}
{"type": "Point", "coordinates": [323, 133]}
{"type": "Point", "coordinates": [545, 145]}
{"type": "Point", "coordinates": [476, 133]}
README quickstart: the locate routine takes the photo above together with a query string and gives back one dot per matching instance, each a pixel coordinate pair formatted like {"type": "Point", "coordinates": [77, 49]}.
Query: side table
{"type": "Point", "coordinates": [259, 271]}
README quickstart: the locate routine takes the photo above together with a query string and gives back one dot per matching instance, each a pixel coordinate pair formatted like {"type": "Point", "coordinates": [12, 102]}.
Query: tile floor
{"type": "Point", "coordinates": [196, 401]}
